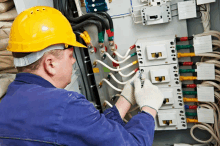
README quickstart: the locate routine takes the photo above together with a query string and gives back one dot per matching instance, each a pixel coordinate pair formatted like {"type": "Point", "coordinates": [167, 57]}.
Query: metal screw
{"type": "Point", "coordinates": [111, 43]}
{"type": "Point", "coordinates": [89, 46]}
{"type": "Point", "coordinates": [101, 45]}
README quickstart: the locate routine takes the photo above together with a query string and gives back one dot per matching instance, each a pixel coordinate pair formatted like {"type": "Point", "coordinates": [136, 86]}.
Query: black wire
{"type": "Point", "coordinates": [81, 73]}
{"type": "Point", "coordinates": [87, 16]}
{"type": "Point", "coordinates": [109, 19]}
{"type": "Point", "coordinates": [85, 23]}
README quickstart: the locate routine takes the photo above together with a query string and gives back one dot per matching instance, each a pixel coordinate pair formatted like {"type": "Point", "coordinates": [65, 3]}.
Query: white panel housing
{"type": "Point", "coordinates": [164, 44]}
{"type": "Point", "coordinates": [156, 14]}
{"type": "Point", "coordinates": [172, 70]}
{"type": "Point", "coordinates": [187, 9]}
{"type": "Point", "coordinates": [176, 115]}
{"type": "Point", "coordinates": [174, 95]}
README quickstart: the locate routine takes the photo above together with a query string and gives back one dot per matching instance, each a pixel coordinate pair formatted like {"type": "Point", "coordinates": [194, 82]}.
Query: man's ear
{"type": "Point", "coordinates": [50, 64]}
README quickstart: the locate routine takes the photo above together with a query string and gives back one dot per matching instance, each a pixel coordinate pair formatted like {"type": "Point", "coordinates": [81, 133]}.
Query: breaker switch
{"type": "Point", "coordinates": [160, 79]}
{"type": "Point", "coordinates": [167, 122]}
{"type": "Point", "coordinates": [156, 55]}
{"type": "Point", "coordinates": [165, 100]}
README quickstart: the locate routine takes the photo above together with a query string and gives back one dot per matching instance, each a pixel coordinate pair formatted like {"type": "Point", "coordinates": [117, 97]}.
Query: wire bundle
{"type": "Point", "coordinates": [69, 9]}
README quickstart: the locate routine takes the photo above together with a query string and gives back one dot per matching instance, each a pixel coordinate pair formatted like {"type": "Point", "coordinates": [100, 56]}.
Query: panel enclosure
{"type": "Point", "coordinates": [166, 45]}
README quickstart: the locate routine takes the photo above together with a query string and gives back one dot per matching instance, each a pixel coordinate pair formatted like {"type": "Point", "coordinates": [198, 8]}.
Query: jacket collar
{"type": "Point", "coordinates": [33, 79]}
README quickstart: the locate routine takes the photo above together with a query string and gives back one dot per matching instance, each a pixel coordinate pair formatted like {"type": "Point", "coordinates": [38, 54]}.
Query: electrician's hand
{"type": "Point", "coordinates": [148, 94]}
{"type": "Point", "coordinates": [128, 91]}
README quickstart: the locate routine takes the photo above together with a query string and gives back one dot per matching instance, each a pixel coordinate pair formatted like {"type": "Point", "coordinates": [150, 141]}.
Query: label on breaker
{"type": "Point", "coordinates": [205, 115]}
{"type": "Point", "coordinates": [205, 71]}
{"type": "Point", "coordinates": [205, 94]}
{"type": "Point", "coordinates": [187, 9]}
{"type": "Point", "coordinates": [202, 44]}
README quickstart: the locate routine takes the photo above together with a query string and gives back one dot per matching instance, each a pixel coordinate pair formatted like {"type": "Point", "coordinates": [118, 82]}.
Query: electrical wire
{"type": "Point", "coordinates": [113, 87]}
{"type": "Point", "coordinates": [214, 131]}
{"type": "Point", "coordinates": [118, 62]}
{"type": "Point", "coordinates": [80, 13]}
{"type": "Point", "coordinates": [116, 80]}
{"type": "Point", "coordinates": [129, 74]}
{"type": "Point", "coordinates": [122, 57]}
{"type": "Point", "coordinates": [108, 103]}
{"type": "Point", "coordinates": [113, 69]}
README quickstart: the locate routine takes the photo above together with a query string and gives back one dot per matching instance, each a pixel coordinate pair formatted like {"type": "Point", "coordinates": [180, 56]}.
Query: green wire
{"type": "Point", "coordinates": [191, 114]}
{"type": "Point", "coordinates": [179, 47]}
{"type": "Point", "coordinates": [187, 70]}
{"type": "Point", "coordinates": [133, 54]}
{"type": "Point", "coordinates": [101, 39]}
{"type": "Point", "coordinates": [189, 92]}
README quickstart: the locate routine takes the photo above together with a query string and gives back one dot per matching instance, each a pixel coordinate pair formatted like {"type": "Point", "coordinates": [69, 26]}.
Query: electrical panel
{"type": "Point", "coordinates": [158, 60]}
{"type": "Point", "coordinates": [157, 56]}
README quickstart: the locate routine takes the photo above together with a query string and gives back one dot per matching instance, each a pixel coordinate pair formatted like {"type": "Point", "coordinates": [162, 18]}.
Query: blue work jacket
{"type": "Point", "coordinates": [35, 113]}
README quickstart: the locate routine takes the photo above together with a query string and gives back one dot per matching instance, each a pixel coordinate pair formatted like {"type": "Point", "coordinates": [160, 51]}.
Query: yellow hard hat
{"type": "Point", "coordinates": [39, 27]}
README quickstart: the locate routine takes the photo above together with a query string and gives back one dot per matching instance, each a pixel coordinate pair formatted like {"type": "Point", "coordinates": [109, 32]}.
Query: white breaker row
{"type": "Point", "coordinates": [158, 60]}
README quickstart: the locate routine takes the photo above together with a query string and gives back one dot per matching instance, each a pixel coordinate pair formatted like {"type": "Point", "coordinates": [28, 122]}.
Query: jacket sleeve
{"type": "Point", "coordinates": [113, 114]}
{"type": "Point", "coordinates": [82, 124]}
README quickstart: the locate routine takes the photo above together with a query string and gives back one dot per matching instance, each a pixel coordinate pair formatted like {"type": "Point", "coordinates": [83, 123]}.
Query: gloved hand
{"type": "Point", "coordinates": [128, 91]}
{"type": "Point", "coordinates": [148, 95]}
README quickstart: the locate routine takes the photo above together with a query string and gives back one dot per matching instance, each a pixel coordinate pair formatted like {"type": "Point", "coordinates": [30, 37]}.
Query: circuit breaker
{"type": "Point", "coordinates": [157, 51]}
{"type": "Point", "coordinates": [156, 14]}
{"type": "Point", "coordinates": [157, 58]}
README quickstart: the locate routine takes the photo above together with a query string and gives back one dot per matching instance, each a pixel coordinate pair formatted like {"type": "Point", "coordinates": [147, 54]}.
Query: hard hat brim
{"type": "Point", "coordinates": [77, 44]}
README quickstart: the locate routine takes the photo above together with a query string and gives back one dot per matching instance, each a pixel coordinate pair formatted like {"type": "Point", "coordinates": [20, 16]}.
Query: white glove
{"type": "Point", "coordinates": [128, 91]}
{"type": "Point", "coordinates": [148, 95]}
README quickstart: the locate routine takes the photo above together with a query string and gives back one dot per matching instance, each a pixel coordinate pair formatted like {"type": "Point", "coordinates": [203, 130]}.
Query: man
{"type": "Point", "coordinates": [37, 111]}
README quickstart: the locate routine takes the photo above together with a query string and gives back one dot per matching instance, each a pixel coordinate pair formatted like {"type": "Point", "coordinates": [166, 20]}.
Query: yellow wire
{"type": "Point", "coordinates": [87, 35]}
{"type": "Point", "coordinates": [185, 55]}
{"type": "Point", "coordinates": [188, 120]}
{"type": "Point", "coordinates": [84, 38]}
{"type": "Point", "coordinates": [135, 62]}
{"type": "Point", "coordinates": [184, 78]}
{"type": "Point", "coordinates": [190, 99]}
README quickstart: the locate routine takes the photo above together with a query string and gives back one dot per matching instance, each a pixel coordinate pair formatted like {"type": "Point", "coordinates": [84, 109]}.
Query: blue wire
{"type": "Point", "coordinates": [186, 107]}
{"type": "Point", "coordinates": [120, 14]}
{"type": "Point", "coordinates": [131, 5]}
